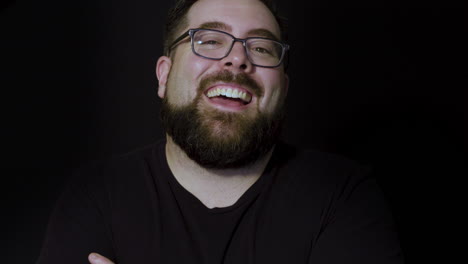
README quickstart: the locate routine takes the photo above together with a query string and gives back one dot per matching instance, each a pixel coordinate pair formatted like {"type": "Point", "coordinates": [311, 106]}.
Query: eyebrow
{"type": "Point", "coordinates": [261, 32]}
{"type": "Point", "coordinates": [215, 25]}
{"type": "Point", "coordinates": [258, 32]}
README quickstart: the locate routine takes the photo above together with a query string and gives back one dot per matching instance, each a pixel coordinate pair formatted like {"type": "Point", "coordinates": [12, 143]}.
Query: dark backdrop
{"type": "Point", "coordinates": [380, 82]}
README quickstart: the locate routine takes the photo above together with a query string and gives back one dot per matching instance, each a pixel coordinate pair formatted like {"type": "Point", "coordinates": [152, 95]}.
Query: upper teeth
{"type": "Point", "coordinates": [229, 92]}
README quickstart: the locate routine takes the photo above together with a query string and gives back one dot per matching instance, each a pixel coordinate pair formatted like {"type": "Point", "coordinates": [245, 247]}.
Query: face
{"type": "Point", "coordinates": [187, 81]}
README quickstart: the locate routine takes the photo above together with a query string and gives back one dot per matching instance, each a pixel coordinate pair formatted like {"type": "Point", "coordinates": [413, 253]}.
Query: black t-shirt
{"type": "Point", "coordinates": [307, 207]}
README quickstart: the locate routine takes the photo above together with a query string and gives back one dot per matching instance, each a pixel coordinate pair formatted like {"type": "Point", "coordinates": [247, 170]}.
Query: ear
{"type": "Point", "coordinates": [163, 67]}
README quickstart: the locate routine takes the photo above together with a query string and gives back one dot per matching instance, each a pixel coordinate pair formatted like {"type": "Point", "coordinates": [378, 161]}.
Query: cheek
{"type": "Point", "coordinates": [198, 67]}
{"type": "Point", "coordinates": [274, 92]}
{"type": "Point", "coordinates": [184, 79]}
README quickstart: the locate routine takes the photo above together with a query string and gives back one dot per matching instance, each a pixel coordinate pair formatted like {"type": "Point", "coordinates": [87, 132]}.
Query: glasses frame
{"type": "Point", "coordinates": [191, 32]}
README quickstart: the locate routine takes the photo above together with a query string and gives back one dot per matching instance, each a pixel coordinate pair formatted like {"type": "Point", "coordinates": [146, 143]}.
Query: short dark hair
{"type": "Point", "coordinates": [177, 20]}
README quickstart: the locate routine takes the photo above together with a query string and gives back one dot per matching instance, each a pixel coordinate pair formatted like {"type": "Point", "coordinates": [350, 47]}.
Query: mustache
{"type": "Point", "coordinates": [229, 77]}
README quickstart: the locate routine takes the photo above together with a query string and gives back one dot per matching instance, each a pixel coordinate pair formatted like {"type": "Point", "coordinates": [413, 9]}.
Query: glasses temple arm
{"type": "Point", "coordinates": [177, 40]}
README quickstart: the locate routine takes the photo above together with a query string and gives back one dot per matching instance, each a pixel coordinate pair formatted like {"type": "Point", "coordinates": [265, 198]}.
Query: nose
{"type": "Point", "coordinates": [237, 58]}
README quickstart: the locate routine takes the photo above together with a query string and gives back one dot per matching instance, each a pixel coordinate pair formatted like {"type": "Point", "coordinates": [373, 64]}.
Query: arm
{"type": "Point", "coordinates": [77, 225]}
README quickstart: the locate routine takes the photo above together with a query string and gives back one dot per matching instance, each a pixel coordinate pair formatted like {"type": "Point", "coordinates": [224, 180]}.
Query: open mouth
{"type": "Point", "coordinates": [229, 96]}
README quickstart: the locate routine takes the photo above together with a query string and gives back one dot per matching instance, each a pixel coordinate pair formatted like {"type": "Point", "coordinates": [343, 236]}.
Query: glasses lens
{"type": "Point", "coordinates": [264, 52]}
{"type": "Point", "coordinates": [211, 44]}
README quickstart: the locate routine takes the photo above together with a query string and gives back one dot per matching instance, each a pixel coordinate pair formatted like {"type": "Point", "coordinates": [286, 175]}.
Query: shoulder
{"type": "Point", "coordinates": [315, 169]}
{"type": "Point", "coordinates": [306, 160]}
{"type": "Point", "coordinates": [117, 168]}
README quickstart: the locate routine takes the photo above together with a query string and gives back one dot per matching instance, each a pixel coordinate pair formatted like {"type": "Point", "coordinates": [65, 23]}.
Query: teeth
{"type": "Point", "coordinates": [231, 93]}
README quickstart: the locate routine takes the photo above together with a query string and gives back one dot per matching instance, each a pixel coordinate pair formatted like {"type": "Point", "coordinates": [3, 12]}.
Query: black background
{"type": "Point", "coordinates": [381, 82]}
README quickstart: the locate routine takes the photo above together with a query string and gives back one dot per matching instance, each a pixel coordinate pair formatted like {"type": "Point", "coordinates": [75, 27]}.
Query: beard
{"type": "Point", "coordinates": [219, 140]}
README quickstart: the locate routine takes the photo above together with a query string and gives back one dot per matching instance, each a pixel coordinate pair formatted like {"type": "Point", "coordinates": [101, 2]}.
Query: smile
{"type": "Point", "coordinates": [228, 97]}
{"type": "Point", "coordinates": [230, 93]}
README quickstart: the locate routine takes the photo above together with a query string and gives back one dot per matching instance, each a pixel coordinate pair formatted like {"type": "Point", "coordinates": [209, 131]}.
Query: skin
{"type": "Point", "coordinates": [180, 76]}
{"type": "Point", "coordinates": [95, 258]}
{"type": "Point", "coordinates": [240, 16]}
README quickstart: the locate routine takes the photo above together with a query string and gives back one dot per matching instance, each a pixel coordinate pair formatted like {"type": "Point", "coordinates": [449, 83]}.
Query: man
{"type": "Point", "coordinates": [221, 188]}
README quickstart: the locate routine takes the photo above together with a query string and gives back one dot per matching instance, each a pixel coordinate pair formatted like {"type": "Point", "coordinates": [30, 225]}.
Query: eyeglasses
{"type": "Point", "coordinates": [215, 45]}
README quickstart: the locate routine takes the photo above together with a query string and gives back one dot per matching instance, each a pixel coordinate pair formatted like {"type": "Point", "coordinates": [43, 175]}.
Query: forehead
{"type": "Point", "coordinates": [241, 16]}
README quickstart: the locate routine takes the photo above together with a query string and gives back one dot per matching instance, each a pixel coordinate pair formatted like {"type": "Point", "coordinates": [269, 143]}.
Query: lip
{"type": "Point", "coordinates": [224, 107]}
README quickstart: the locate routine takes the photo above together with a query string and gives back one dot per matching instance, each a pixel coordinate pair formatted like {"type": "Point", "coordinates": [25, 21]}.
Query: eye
{"type": "Point", "coordinates": [208, 42]}
{"type": "Point", "coordinates": [210, 39]}
{"type": "Point", "coordinates": [262, 47]}
{"type": "Point", "coordinates": [261, 50]}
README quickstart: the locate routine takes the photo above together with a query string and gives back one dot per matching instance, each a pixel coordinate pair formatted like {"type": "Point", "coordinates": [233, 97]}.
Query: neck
{"type": "Point", "coordinates": [213, 187]}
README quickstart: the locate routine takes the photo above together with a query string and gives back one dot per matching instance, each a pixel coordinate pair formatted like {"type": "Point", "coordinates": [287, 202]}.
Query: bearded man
{"type": "Point", "coordinates": [221, 188]}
